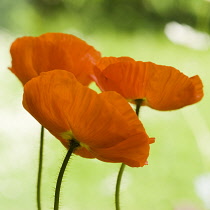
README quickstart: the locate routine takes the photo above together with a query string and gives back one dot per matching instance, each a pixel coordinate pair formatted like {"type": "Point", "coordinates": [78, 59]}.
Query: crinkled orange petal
{"type": "Point", "coordinates": [106, 61]}
{"type": "Point", "coordinates": [33, 55]}
{"type": "Point", "coordinates": [124, 78]}
{"type": "Point", "coordinates": [175, 90]}
{"type": "Point", "coordinates": [163, 87]}
{"type": "Point", "coordinates": [132, 151]}
{"type": "Point", "coordinates": [124, 109]}
{"type": "Point", "coordinates": [22, 63]}
{"type": "Point", "coordinates": [65, 107]}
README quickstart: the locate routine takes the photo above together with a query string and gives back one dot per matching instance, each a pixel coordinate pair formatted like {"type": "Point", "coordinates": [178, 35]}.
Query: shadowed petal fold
{"type": "Point", "coordinates": [132, 151]}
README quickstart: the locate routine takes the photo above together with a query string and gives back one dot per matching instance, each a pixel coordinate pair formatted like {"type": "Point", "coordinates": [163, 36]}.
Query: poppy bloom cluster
{"type": "Point", "coordinates": [55, 70]}
{"type": "Point", "coordinates": [104, 124]}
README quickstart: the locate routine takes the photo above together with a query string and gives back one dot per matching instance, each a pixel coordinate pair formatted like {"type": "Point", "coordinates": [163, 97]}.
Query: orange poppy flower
{"type": "Point", "coordinates": [104, 124]}
{"type": "Point", "coordinates": [33, 55]}
{"type": "Point", "coordinates": [161, 87]}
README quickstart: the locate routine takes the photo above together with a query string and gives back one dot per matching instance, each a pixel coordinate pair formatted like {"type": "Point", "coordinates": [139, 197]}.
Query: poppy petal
{"type": "Point", "coordinates": [133, 151]}
{"type": "Point", "coordinates": [162, 87]}
{"type": "Point", "coordinates": [106, 61]}
{"type": "Point", "coordinates": [123, 77]}
{"type": "Point", "coordinates": [22, 64]}
{"type": "Point", "coordinates": [33, 55]}
{"type": "Point", "coordinates": [62, 105]}
{"type": "Point", "coordinates": [175, 90]}
{"type": "Point", "coordinates": [124, 109]}
{"type": "Point", "coordinates": [83, 152]}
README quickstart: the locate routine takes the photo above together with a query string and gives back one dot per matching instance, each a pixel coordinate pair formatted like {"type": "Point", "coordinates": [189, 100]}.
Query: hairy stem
{"type": "Point", "coordinates": [73, 145]}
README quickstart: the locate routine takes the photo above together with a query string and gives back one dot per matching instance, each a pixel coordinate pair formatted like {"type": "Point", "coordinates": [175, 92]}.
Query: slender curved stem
{"type": "Point", "coordinates": [122, 167]}
{"type": "Point", "coordinates": [39, 177]}
{"type": "Point", "coordinates": [73, 145]}
{"type": "Point", "coordinates": [117, 191]}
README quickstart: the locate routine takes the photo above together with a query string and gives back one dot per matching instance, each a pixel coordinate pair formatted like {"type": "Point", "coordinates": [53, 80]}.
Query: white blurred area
{"type": "Point", "coordinates": [202, 187]}
{"type": "Point", "coordinates": [185, 35]}
{"type": "Point", "coordinates": [201, 134]}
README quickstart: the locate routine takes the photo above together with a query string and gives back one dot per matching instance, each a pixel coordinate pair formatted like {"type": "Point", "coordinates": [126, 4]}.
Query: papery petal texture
{"type": "Point", "coordinates": [102, 123]}
{"type": "Point", "coordinates": [33, 55]}
{"type": "Point", "coordinates": [134, 152]}
{"type": "Point", "coordinates": [162, 87]}
{"type": "Point", "coordinates": [106, 61]}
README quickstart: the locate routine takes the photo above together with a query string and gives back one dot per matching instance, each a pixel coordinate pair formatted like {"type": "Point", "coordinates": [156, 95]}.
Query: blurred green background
{"type": "Point", "coordinates": [167, 32]}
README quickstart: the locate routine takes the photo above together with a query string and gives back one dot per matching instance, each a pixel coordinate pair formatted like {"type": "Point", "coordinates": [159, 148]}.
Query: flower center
{"type": "Point", "coordinates": [68, 135]}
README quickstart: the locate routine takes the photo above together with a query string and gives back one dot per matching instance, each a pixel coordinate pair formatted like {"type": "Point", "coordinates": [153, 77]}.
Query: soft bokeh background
{"type": "Point", "coordinates": [168, 32]}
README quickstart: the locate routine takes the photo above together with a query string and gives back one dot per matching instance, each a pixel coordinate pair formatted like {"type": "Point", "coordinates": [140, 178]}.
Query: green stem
{"type": "Point", "coordinates": [138, 105]}
{"type": "Point", "coordinates": [117, 191]}
{"type": "Point", "coordinates": [73, 145]}
{"type": "Point", "coordinates": [39, 177]}
{"type": "Point", "coordinates": [120, 173]}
